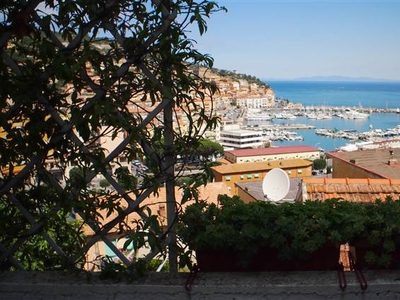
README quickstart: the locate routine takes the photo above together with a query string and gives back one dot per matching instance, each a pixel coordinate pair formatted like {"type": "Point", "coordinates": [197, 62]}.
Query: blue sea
{"type": "Point", "coordinates": [338, 94]}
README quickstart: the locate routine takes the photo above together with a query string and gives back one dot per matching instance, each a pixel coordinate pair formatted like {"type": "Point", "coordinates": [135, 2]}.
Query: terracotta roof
{"type": "Point", "coordinates": [350, 189]}
{"type": "Point", "coordinates": [261, 166]}
{"type": "Point", "coordinates": [375, 161]}
{"type": "Point", "coordinates": [272, 150]}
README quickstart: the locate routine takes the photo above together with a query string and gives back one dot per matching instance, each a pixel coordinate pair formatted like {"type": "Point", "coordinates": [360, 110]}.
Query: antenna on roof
{"type": "Point", "coordinates": [275, 185]}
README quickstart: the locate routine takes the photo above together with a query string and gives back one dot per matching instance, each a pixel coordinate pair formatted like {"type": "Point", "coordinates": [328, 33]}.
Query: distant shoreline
{"type": "Point", "coordinates": [323, 107]}
{"type": "Point", "coordinates": [333, 79]}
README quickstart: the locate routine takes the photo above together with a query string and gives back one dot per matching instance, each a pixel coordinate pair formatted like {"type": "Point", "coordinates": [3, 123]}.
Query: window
{"type": "Point", "coordinates": [227, 178]}
{"type": "Point", "coordinates": [299, 171]}
{"type": "Point", "coordinates": [119, 244]}
{"type": "Point", "coordinates": [249, 176]}
{"type": "Point", "coordinates": [242, 177]}
{"type": "Point", "coordinates": [256, 175]}
{"type": "Point", "coordinates": [110, 252]}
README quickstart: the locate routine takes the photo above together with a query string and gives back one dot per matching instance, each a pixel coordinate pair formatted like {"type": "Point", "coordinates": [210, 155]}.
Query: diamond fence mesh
{"type": "Point", "coordinates": [97, 99]}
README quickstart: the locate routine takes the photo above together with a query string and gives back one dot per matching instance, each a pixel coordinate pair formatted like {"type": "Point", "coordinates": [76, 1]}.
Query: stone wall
{"type": "Point", "coordinates": [221, 286]}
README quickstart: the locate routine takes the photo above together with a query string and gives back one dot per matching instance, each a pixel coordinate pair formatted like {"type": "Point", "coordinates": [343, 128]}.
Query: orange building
{"type": "Point", "coordinates": [374, 163]}
{"type": "Point", "coordinates": [231, 174]}
{"type": "Point", "coordinates": [157, 204]}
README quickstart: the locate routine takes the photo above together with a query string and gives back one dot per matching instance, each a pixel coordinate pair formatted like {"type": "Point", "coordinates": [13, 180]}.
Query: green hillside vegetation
{"type": "Point", "coordinates": [234, 75]}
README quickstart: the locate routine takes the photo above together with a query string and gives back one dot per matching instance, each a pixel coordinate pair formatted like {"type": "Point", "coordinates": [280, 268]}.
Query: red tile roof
{"type": "Point", "coordinates": [272, 150]}
{"type": "Point", "coordinates": [350, 189]}
{"type": "Point", "coordinates": [262, 166]}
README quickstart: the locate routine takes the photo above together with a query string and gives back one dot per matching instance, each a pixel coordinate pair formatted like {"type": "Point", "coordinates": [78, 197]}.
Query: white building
{"type": "Point", "coordinates": [256, 102]}
{"type": "Point", "coordinates": [241, 139]}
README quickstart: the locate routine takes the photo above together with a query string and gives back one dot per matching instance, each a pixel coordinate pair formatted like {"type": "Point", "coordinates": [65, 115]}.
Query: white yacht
{"type": "Point", "coordinates": [354, 114]}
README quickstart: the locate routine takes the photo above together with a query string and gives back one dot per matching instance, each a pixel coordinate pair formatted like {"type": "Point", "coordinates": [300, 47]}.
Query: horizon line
{"type": "Point", "coordinates": [333, 78]}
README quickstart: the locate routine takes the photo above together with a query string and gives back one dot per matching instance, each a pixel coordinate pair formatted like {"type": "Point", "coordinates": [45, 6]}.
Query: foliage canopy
{"type": "Point", "coordinates": [79, 74]}
{"type": "Point", "coordinates": [319, 164]}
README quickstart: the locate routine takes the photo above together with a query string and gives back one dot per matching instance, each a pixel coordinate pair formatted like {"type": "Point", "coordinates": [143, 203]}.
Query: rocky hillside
{"type": "Point", "coordinates": [235, 85]}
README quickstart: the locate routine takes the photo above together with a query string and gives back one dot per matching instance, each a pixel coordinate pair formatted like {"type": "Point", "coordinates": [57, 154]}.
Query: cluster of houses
{"type": "Point", "coordinates": [361, 176]}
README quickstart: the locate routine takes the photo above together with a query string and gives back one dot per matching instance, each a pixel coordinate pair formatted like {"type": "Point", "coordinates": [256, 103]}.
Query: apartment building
{"type": "Point", "coordinates": [264, 101]}
{"type": "Point", "coordinates": [231, 174]}
{"type": "Point", "coordinates": [272, 153]}
{"type": "Point", "coordinates": [241, 139]}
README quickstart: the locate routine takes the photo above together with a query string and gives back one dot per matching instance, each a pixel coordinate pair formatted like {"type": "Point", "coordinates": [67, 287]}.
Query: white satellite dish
{"type": "Point", "coordinates": [275, 185]}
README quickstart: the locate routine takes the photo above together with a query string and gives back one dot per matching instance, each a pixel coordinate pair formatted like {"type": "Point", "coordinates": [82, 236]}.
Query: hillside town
{"type": "Point", "coordinates": [362, 175]}
{"type": "Point", "coordinates": [245, 105]}
{"type": "Point", "coordinates": [130, 167]}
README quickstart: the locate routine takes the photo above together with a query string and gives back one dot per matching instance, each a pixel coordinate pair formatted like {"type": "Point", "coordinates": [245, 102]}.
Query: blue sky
{"type": "Point", "coordinates": [290, 39]}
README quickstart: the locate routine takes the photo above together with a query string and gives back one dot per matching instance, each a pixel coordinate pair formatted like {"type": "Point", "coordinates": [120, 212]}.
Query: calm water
{"type": "Point", "coordinates": [349, 94]}
{"type": "Point", "coordinates": [365, 94]}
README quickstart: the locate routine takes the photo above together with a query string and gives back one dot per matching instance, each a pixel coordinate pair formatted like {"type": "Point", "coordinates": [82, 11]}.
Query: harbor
{"type": "Point", "coordinates": [337, 128]}
{"type": "Point", "coordinates": [342, 132]}
{"type": "Point", "coordinates": [327, 115]}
